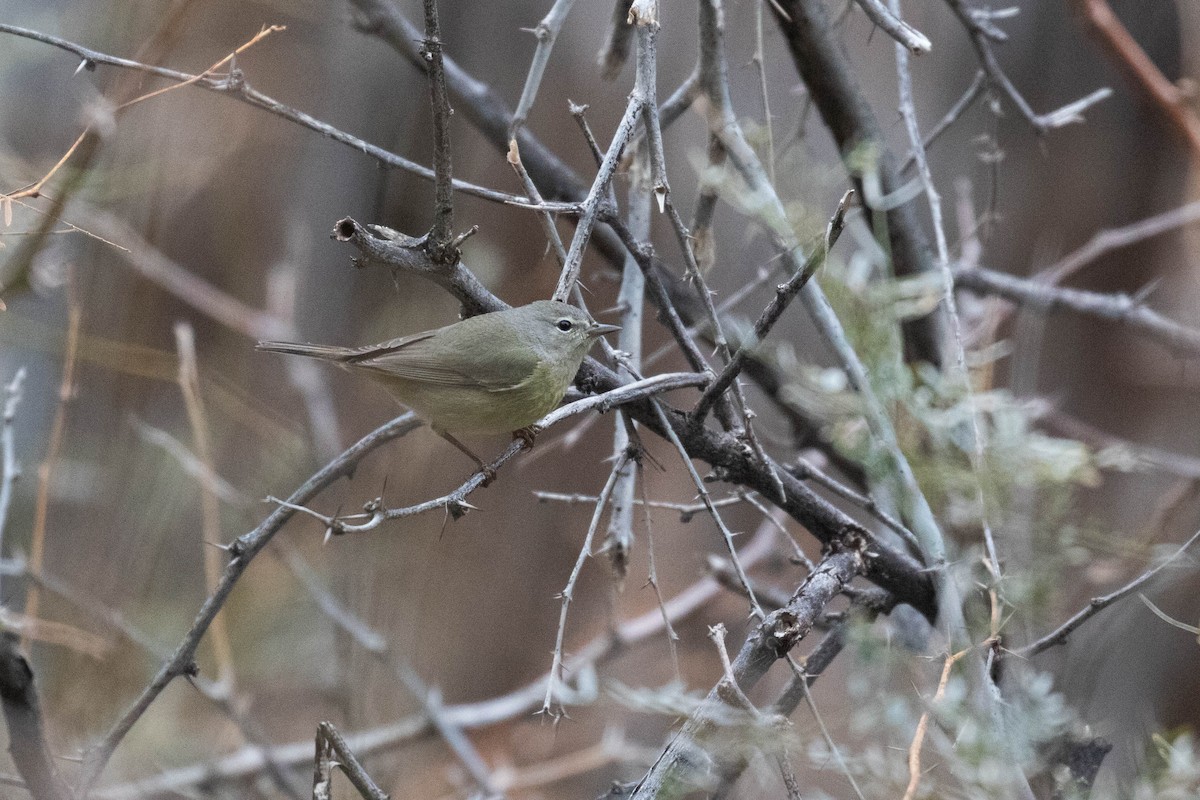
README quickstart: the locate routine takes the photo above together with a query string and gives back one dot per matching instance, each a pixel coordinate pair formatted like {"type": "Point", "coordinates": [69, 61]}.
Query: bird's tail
{"type": "Point", "coordinates": [322, 351]}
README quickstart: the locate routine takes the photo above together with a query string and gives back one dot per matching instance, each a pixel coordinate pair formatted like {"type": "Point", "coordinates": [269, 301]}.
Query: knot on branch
{"type": "Point", "coordinates": [782, 631]}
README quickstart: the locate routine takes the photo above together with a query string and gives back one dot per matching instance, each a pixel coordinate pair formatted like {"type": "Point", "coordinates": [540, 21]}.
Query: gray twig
{"type": "Point", "coordinates": [821, 60]}
{"type": "Point", "coordinates": [242, 552]}
{"type": "Point", "coordinates": [676, 772]}
{"type": "Point", "coordinates": [784, 294]}
{"type": "Point", "coordinates": [10, 470]}
{"type": "Point", "coordinates": [1097, 604]}
{"type": "Point", "coordinates": [615, 51]}
{"type": "Point", "coordinates": [568, 591]}
{"type": "Point", "coordinates": [248, 761]}
{"type": "Point", "coordinates": [889, 22]}
{"type": "Point", "coordinates": [442, 232]}
{"type": "Point", "coordinates": [26, 727]}
{"type": "Point", "coordinates": [332, 751]}
{"type": "Point", "coordinates": [1120, 308]}
{"type": "Point", "coordinates": [546, 32]}
{"type": "Point", "coordinates": [983, 33]}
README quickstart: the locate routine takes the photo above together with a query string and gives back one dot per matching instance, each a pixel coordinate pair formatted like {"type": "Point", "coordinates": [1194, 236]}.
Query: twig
{"type": "Point", "coordinates": [675, 773]}
{"type": "Point", "coordinates": [66, 391]}
{"type": "Point", "coordinates": [823, 65]}
{"type": "Point", "coordinates": [546, 33]}
{"type": "Point", "coordinates": [643, 94]}
{"type": "Point", "coordinates": [567, 593]}
{"type": "Point", "coordinates": [889, 21]}
{"type": "Point", "coordinates": [908, 112]}
{"type": "Point", "coordinates": [618, 537]}
{"type": "Point", "coordinates": [914, 747]}
{"type": "Point", "coordinates": [805, 470]}
{"type": "Point", "coordinates": [615, 52]}
{"type": "Point", "coordinates": [1121, 308]}
{"type": "Point", "coordinates": [1128, 56]}
{"type": "Point", "coordinates": [330, 744]}
{"type": "Point", "coordinates": [242, 552]}
{"type": "Point", "coordinates": [1059, 635]}
{"type": "Point", "coordinates": [978, 84]}
{"type": "Point", "coordinates": [210, 504]}
{"type": "Point", "coordinates": [10, 470]}
{"type": "Point", "coordinates": [1106, 241]}
{"type": "Point", "coordinates": [757, 59]}
{"type": "Point", "coordinates": [982, 33]}
{"type": "Point", "coordinates": [706, 498]}
{"type": "Point", "coordinates": [237, 87]}
{"type": "Point", "coordinates": [248, 761]}
{"type": "Point", "coordinates": [454, 502]}
{"type": "Point", "coordinates": [784, 294]}
{"type": "Point", "coordinates": [652, 577]}
{"type": "Point", "coordinates": [442, 232]}
{"type": "Point", "coordinates": [26, 727]}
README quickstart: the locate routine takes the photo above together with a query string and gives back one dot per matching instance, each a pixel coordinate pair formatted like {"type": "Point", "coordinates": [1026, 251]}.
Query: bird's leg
{"type": "Point", "coordinates": [526, 435]}
{"type": "Point", "coordinates": [489, 474]}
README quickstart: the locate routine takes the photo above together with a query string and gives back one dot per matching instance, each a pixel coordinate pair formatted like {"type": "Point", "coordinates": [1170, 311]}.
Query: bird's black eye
{"type": "Point", "coordinates": [564, 325]}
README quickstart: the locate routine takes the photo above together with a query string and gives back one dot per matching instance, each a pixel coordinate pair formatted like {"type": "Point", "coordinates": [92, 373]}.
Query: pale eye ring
{"type": "Point", "coordinates": [564, 325]}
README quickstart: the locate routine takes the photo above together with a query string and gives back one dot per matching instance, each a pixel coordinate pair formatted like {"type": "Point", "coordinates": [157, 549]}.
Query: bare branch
{"type": "Point", "coordinates": [1171, 101]}
{"type": "Point", "coordinates": [10, 470]}
{"type": "Point", "coordinates": [330, 744]}
{"type": "Point", "coordinates": [1059, 635]}
{"type": "Point", "coordinates": [890, 23]}
{"type": "Point", "coordinates": [26, 728]}
{"type": "Point", "coordinates": [242, 552]}
{"type": "Point", "coordinates": [442, 232]}
{"type": "Point", "coordinates": [1121, 308]}
{"type": "Point", "coordinates": [546, 33]}
{"type": "Point", "coordinates": [676, 773]}
{"type": "Point", "coordinates": [982, 33]}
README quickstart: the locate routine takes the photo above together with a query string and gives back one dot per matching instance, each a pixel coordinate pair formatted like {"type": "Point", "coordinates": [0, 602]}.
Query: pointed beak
{"type": "Point", "coordinates": [599, 329]}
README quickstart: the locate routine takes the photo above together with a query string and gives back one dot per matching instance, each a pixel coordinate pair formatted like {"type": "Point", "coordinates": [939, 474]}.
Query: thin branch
{"type": "Point", "coordinates": [784, 294]}
{"type": "Point", "coordinates": [1171, 101]}
{"type": "Point", "coordinates": [242, 552]}
{"type": "Point", "coordinates": [908, 112]}
{"type": "Point", "coordinates": [236, 86]}
{"type": "Point", "coordinates": [678, 769]}
{"type": "Point", "coordinates": [248, 761]}
{"type": "Point", "coordinates": [631, 299]}
{"type": "Point", "coordinates": [982, 34]}
{"type": "Point", "coordinates": [330, 744]}
{"type": "Point", "coordinates": [889, 22]}
{"type": "Point", "coordinates": [210, 504]}
{"type": "Point", "coordinates": [455, 502]}
{"type": "Point", "coordinates": [615, 52]}
{"type": "Point", "coordinates": [442, 232]}
{"type": "Point", "coordinates": [968, 98]}
{"type": "Point", "coordinates": [824, 66]}
{"type": "Point", "coordinates": [1112, 239]}
{"type": "Point", "coordinates": [568, 592]}
{"type": "Point", "coordinates": [66, 391]}
{"type": "Point", "coordinates": [1121, 308]}
{"type": "Point", "coordinates": [10, 470]}
{"type": "Point", "coordinates": [546, 33]}
{"type": "Point", "coordinates": [26, 726]}
{"type": "Point", "coordinates": [643, 93]}
{"type": "Point", "coordinates": [1059, 635]}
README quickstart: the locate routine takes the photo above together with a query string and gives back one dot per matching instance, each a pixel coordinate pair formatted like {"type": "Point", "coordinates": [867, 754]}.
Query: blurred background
{"type": "Point", "coordinates": [245, 201]}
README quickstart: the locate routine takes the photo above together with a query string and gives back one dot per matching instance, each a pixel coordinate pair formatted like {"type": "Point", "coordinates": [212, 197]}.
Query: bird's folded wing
{"type": "Point", "coordinates": [417, 358]}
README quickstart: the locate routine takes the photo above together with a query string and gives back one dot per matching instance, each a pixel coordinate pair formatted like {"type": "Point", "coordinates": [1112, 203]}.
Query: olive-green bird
{"type": "Point", "coordinates": [492, 373]}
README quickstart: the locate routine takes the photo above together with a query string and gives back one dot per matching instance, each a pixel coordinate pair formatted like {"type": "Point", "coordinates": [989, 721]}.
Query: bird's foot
{"type": "Point", "coordinates": [526, 435]}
